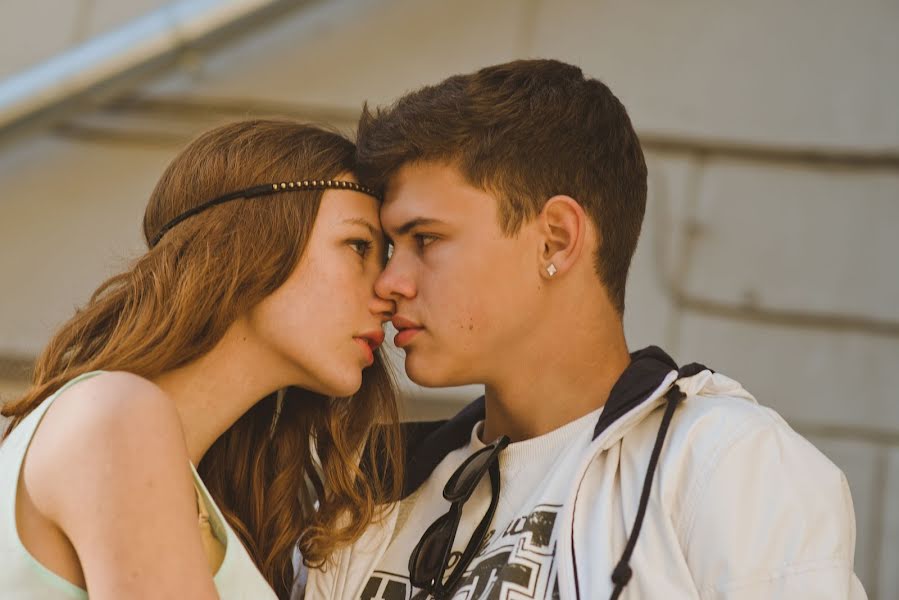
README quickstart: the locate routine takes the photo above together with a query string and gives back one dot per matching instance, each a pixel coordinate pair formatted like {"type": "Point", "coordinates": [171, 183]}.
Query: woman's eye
{"type": "Point", "coordinates": [361, 247]}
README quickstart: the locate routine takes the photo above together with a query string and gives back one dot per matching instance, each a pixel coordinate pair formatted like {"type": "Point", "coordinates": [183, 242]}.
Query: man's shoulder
{"type": "Point", "coordinates": [736, 465]}
{"type": "Point", "coordinates": [721, 427]}
{"type": "Point", "coordinates": [716, 410]}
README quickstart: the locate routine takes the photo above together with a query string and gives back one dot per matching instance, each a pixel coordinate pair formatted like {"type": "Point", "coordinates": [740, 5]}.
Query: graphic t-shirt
{"type": "Point", "coordinates": [517, 559]}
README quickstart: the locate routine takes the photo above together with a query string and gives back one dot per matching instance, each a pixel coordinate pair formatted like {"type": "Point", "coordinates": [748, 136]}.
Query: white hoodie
{"type": "Point", "coordinates": [740, 506]}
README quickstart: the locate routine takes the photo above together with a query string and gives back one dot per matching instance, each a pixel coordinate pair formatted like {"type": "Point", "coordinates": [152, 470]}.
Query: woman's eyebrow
{"type": "Point", "coordinates": [375, 231]}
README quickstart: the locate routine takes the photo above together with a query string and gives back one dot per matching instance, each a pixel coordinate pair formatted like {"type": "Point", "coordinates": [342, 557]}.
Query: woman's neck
{"type": "Point", "coordinates": [214, 391]}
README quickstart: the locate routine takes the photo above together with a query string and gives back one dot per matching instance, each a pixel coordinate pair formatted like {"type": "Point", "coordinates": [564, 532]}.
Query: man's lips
{"type": "Point", "coordinates": [407, 329]}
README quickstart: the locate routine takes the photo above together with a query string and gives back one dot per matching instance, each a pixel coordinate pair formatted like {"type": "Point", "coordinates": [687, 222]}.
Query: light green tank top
{"type": "Point", "coordinates": [22, 577]}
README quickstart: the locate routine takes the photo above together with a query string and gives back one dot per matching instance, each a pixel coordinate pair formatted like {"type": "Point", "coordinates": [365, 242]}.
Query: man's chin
{"type": "Point", "coordinates": [427, 373]}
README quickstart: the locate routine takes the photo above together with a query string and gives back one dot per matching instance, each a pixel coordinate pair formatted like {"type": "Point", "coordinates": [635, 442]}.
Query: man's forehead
{"type": "Point", "coordinates": [416, 200]}
{"type": "Point", "coordinates": [431, 192]}
{"type": "Point", "coordinates": [400, 204]}
{"type": "Point", "coordinates": [401, 215]}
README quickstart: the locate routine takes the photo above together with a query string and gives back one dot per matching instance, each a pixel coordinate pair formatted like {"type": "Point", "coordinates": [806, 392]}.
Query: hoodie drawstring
{"type": "Point", "coordinates": [622, 572]}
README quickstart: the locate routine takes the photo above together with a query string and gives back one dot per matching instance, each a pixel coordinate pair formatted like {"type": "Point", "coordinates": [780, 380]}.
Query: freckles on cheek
{"type": "Point", "coordinates": [468, 327]}
{"type": "Point", "coordinates": [469, 321]}
{"type": "Point", "coordinates": [466, 323]}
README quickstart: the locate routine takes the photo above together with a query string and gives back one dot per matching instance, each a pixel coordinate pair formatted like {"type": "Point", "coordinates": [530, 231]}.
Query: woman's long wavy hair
{"type": "Point", "coordinates": [293, 467]}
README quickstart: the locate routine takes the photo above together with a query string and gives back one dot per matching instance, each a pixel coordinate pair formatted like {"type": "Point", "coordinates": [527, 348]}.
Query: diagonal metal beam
{"type": "Point", "coordinates": [110, 63]}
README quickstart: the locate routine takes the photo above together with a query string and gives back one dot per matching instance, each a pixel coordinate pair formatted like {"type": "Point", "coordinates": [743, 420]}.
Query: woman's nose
{"type": "Point", "coordinates": [382, 308]}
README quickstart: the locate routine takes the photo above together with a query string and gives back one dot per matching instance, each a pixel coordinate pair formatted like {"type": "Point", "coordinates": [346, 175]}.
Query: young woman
{"type": "Point", "coordinates": [244, 342]}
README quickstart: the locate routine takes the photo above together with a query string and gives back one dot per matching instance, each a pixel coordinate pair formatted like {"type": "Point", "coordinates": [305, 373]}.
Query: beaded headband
{"type": "Point", "coordinates": [266, 189]}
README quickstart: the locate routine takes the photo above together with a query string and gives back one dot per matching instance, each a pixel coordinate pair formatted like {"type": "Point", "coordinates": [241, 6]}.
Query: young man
{"type": "Point", "coordinates": [514, 198]}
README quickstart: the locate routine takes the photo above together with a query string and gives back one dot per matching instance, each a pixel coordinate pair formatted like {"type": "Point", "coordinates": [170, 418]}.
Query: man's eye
{"type": "Point", "coordinates": [424, 239]}
{"type": "Point", "coordinates": [361, 247]}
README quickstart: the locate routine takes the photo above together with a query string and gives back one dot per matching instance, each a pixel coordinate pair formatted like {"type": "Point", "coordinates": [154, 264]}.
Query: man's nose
{"type": "Point", "coordinates": [395, 282]}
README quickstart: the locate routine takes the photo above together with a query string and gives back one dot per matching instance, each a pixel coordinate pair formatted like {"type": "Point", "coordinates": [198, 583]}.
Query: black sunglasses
{"type": "Point", "coordinates": [431, 555]}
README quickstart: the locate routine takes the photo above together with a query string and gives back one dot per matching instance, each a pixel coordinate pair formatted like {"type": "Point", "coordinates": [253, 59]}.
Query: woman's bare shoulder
{"type": "Point", "coordinates": [113, 422]}
{"type": "Point", "coordinates": [113, 394]}
{"type": "Point", "coordinates": [109, 468]}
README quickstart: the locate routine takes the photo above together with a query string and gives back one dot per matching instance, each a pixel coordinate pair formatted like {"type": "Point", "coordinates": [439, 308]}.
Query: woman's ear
{"type": "Point", "coordinates": [563, 227]}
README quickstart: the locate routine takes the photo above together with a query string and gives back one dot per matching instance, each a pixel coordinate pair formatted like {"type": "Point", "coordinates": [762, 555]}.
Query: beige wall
{"type": "Point", "coordinates": [11, 388]}
{"type": "Point", "coordinates": [8, 390]}
{"type": "Point", "coordinates": [769, 246]}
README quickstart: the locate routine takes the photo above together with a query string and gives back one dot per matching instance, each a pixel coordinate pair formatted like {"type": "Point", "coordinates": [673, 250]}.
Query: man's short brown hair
{"type": "Point", "coordinates": [524, 131]}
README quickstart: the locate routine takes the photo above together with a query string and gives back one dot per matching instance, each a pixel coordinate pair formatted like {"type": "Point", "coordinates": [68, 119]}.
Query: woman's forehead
{"type": "Point", "coordinates": [343, 205]}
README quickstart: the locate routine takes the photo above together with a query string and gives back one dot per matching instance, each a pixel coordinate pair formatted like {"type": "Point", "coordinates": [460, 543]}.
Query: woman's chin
{"type": "Point", "coordinates": [342, 387]}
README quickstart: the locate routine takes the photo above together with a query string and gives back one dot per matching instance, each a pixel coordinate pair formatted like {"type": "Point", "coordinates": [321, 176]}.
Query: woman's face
{"type": "Point", "coordinates": [324, 323]}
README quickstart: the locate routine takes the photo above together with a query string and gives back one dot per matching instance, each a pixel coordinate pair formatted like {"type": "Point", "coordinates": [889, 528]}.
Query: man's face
{"type": "Point", "coordinates": [465, 292]}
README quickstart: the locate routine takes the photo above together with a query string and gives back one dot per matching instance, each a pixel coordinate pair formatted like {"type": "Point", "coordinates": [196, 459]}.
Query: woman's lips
{"type": "Point", "coordinates": [369, 342]}
{"type": "Point", "coordinates": [367, 350]}
{"type": "Point", "coordinates": [374, 338]}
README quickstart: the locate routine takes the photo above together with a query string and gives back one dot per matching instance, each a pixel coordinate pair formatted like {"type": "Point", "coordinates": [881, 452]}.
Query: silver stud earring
{"type": "Point", "coordinates": [551, 269]}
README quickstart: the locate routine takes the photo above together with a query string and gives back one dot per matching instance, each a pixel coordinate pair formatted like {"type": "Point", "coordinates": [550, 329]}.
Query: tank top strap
{"type": "Point", "coordinates": [21, 571]}
{"type": "Point", "coordinates": [213, 545]}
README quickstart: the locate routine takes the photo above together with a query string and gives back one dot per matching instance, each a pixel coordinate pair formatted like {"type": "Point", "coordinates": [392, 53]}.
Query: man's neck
{"type": "Point", "coordinates": [544, 389]}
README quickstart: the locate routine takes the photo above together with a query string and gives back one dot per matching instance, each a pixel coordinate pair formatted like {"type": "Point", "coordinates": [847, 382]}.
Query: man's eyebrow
{"type": "Point", "coordinates": [360, 221]}
{"type": "Point", "coordinates": [416, 222]}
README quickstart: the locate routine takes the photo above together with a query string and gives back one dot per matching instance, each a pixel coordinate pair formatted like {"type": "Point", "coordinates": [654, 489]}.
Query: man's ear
{"type": "Point", "coordinates": [563, 229]}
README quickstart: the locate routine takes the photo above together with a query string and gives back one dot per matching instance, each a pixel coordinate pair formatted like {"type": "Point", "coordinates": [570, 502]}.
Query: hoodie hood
{"type": "Point", "coordinates": [428, 442]}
